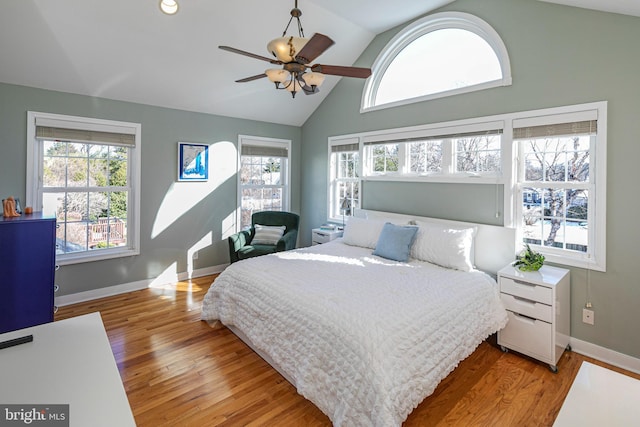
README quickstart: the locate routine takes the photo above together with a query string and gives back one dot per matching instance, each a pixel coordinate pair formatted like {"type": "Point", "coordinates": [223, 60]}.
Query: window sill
{"type": "Point", "coordinates": [82, 257]}
{"type": "Point", "coordinates": [577, 261]}
{"type": "Point", "coordinates": [453, 179]}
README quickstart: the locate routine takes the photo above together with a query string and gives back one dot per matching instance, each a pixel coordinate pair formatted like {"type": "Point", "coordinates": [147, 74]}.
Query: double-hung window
{"type": "Point", "coordinates": [264, 176]}
{"type": "Point", "coordinates": [560, 176]}
{"type": "Point", "coordinates": [85, 172]}
{"type": "Point", "coordinates": [344, 178]}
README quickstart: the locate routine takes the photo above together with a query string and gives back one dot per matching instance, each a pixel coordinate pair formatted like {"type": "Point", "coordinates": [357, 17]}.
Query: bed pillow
{"type": "Point", "coordinates": [395, 241]}
{"type": "Point", "coordinates": [362, 232]}
{"type": "Point", "coordinates": [445, 246]}
{"type": "Point", "coordinates": [267, 234]}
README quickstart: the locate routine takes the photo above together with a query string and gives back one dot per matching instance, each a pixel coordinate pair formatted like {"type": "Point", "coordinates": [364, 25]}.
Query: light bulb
{"type": "Point", "coordinates": [169, 7]}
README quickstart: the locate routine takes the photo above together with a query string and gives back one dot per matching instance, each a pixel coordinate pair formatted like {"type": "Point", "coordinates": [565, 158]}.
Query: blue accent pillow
{"type": "Point", "coordinates": [395, 241]}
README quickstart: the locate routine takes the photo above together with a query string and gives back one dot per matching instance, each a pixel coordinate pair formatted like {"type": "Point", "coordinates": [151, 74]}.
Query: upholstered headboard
{"type": "Point", "coordinates": [495, 246]}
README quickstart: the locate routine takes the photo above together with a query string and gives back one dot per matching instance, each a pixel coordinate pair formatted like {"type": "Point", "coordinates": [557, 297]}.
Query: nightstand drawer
{"type": "Point", "coordinates": [320, 236]}
{"type": "Point", "coordinates": [529, 336]}
{"type": "Point", "coordinates": [527, 307]}
{"type": "Point", "coordinates": [526, 290]}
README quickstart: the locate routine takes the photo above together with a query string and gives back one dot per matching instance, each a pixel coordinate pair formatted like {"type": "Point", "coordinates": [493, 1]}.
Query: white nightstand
{"type": "Point", "coordinates": [537, 304]}
{"type": "Point", "coordinates": [319, 236]}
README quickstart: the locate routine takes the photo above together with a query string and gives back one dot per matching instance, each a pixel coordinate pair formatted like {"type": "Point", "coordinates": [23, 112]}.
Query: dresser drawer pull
{"type": "Point", "coordinates": [57, 266]}
{"type": "Point", "coordinates": [526, 318]}
{"type": "Point", "coordinates": [520, 282]}
{"type": "Point", "coordinates": [55, 309]}
{"type": "Point", "coordinates": [524, 300]}
{"type": "Point", "coordinates": [56, 288]}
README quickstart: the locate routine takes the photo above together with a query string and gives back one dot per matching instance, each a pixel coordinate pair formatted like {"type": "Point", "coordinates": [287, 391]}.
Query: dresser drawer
{"type": "Point", "coordinates": [529, 336]}
{"type": "Point", "coordinates": [527, 307]}
{"type": "Point", "coordinates": [526, 290]}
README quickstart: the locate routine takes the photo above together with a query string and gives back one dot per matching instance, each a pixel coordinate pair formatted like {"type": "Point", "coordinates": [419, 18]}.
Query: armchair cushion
{"type": "Point", "coordinates": [267, 235]}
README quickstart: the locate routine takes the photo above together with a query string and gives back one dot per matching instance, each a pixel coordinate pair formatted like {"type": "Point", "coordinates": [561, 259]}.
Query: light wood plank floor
{"type": "Point", "coordinates": [178, 371]}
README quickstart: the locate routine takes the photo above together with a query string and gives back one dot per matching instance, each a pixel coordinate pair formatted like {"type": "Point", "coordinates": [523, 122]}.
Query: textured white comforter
{"type": "Point", "coordinates": [364, 338]}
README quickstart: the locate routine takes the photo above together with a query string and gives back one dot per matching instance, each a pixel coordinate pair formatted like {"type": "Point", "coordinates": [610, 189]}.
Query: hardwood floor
{"type": "Point", "coordinates": [178, 371]}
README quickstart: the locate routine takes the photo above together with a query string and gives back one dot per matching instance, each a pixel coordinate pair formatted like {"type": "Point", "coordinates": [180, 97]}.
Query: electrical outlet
{"type": "Point", "coordinates": [588, 316]}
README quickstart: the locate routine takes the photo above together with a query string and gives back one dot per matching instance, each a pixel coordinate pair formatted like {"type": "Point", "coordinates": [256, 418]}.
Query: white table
{"type": "Point", "coordinates": [68, 362]}
{"type": "Point", "coordinates": [600, 397]}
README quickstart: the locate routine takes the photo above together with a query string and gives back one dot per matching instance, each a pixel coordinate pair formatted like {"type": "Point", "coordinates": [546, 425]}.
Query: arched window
{"type": "Point", "coordinates": [439, 55]}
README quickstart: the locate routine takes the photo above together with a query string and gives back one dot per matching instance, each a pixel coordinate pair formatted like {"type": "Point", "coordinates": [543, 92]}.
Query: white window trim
{"type": "Point", "coordinates": [267, 142]}
{"type": "Point", "coordinates": [34, 179]}
{"type": "Point", "coordinates": [509, 168]}
{"type": "Point", "coordinates": [596, 257]}
{"type": "Point", "coordinates": [417, 29]}
{"type": "Point", "coordinates": [448, 173]}
{"type": "Point", "coordinates": [331, 170]}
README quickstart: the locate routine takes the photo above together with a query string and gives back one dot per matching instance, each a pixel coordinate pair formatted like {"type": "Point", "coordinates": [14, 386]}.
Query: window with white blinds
{"type": "Point", "coordinates": [550, 162]}
{"type": "Point", "coordinates": [86, 173]}
{"type": "Point", "coordinates": [471, 153]}
{"type": "Point", "coordinates": [263, 178]}
{"type": "Point", "coordinates": [344, 178]}
{"type": "Point", "coordinates": [560, 185]}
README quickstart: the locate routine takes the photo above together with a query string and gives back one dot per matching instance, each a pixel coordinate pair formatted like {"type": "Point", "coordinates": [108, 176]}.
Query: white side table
{"type": "Point", "coordinates": [537, 304]}
{"type": "Point", "coordinates": [320, 236]}
{"type": "Point", "coordinates": [69, 362]}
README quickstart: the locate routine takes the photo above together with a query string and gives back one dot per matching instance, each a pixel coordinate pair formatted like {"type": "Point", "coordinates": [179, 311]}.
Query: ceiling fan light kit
{"type": "Point", "coordinates": [278, 75]}
{"type": "Point", "coordinates": [285, 48]}
{"type": "Point", "coordinates": [295, 54]}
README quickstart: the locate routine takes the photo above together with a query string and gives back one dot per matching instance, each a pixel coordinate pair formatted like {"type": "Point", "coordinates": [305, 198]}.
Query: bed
{"type": "Point", "coordinates": [364, 337]}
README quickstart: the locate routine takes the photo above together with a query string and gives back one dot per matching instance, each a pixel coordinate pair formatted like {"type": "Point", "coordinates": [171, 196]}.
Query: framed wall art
{"type": "Point", "coordinates": [193, 162]}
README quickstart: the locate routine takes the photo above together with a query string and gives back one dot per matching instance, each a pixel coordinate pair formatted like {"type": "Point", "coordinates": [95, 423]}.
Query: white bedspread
{"type": "Point", "coordinates": [364, 338]}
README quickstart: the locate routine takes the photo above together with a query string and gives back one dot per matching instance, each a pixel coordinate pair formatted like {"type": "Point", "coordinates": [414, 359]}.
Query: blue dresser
{"type": "Point", "coordinates": [27, 257]}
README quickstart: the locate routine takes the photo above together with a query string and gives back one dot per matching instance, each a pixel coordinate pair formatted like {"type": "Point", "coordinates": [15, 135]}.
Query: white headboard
{"type": "Point", "coordinates": [495, 246]}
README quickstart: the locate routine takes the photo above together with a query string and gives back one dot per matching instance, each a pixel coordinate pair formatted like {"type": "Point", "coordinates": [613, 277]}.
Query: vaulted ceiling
{"type": "Point", "coordinates": [129, 50]}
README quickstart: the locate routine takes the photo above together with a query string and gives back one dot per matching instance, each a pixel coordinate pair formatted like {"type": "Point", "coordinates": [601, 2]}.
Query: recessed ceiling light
{"type": "Point", "coordinates": [170, 7]}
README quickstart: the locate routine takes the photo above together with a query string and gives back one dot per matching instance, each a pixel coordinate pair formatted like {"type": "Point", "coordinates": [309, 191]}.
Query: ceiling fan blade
{"type": "Point", "coordinates": [314, 48]}
{"type": "Point", "coordinates": [336, 70]}
{"type": "Point", "coordinates": [251, 55]}
{"type": "Point", "coordinates": [252, 78]}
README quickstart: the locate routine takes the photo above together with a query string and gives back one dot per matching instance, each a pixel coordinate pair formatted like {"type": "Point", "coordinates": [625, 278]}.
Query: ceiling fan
{"type": "Point", "coordinates": [295, 54]}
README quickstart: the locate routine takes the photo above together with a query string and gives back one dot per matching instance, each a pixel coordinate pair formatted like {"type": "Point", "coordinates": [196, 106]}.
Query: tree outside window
{"type": "Point", "coordinates": [86, 186]}
{"type": "Point", "coordinates": [556, 192]}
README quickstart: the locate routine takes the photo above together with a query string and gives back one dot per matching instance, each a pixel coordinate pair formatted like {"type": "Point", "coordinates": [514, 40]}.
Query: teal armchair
{"type": "Point", "coordinates": [240, 246]}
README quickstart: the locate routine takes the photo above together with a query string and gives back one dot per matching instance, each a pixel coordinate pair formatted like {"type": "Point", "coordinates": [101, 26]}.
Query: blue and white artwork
{"type": "Point", "coordinates": [193, 162]}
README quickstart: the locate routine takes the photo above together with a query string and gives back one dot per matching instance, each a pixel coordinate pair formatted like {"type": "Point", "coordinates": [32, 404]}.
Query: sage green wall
{"type": "Point", "coordinates": [165, 234]}
{"type": "Point", "coordinates": [559, 56]}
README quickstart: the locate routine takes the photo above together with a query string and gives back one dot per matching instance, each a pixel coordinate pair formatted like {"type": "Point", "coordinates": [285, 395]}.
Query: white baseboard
{"type": "Point", "coordinates": [605, 355]}
{"type": "Point", "coordinates": [63, 300]}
